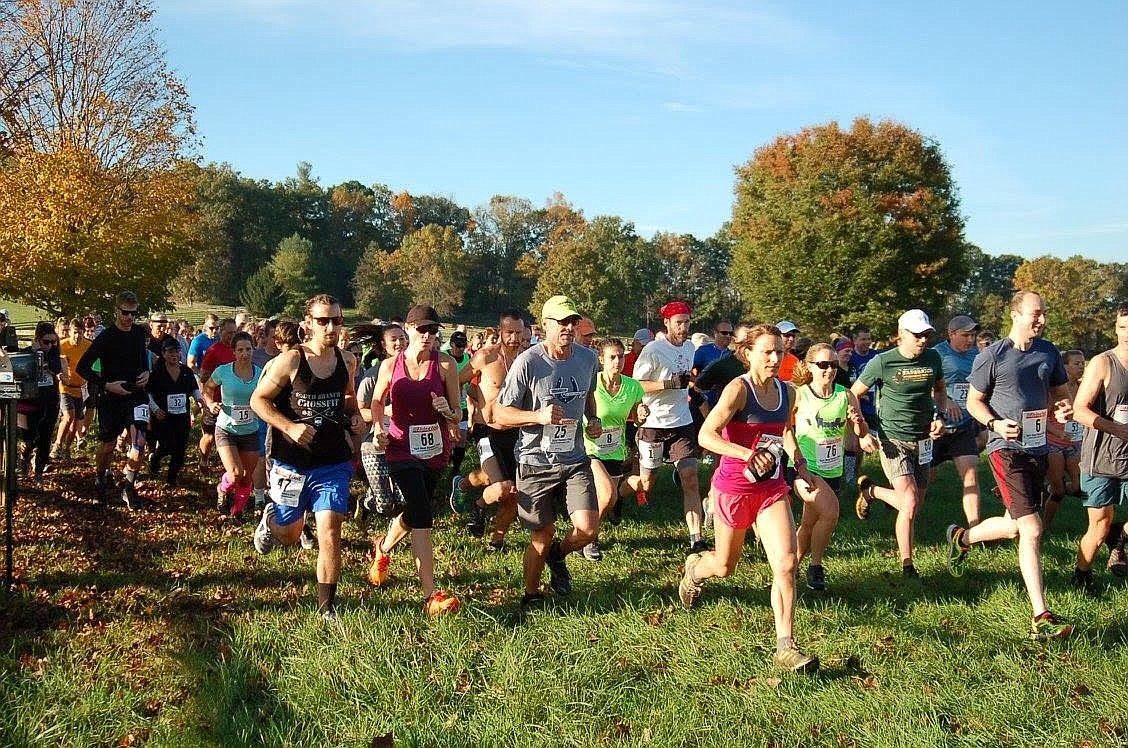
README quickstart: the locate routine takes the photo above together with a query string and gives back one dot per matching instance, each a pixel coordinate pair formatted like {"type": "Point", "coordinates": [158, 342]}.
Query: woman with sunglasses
{"type": "Point", "coordinates": [824, 412]}
{"type": "Point", "coordinates": [421, 384]}
{"type": "Point", "coordinates": [171, 386]}
{"type": "Point", "coordinates": [752, 429]}
{"type": "Point", "coordinates": [236, 425]}
{"type": "Point", "coordinates": [36, 417]}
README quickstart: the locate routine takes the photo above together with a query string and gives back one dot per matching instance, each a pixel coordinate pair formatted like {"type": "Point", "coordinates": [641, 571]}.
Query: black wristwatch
{"type": "Point", "coordinates": [991, 424]}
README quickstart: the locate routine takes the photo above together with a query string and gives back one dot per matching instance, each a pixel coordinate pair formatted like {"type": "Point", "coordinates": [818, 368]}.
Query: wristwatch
{"type": "Point", "coordinates": [991, 424]}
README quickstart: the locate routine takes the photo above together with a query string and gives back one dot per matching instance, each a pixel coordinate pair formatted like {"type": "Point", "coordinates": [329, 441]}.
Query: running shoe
{"type": "Point", "coordinates": [457, 502]}
{"type": "Point", "coordinates": [793, 659]}
{"type": "Point", "coordinates": [816, 577]}
{"type": "Point", "coordinates": [689, 589]}
{"type": "Point", "coordinates": [700, 545]}
{"type": "Point", "coordinates": [865, 497]}
{"type": "Point", "coordinates": [910, 572]}
{"type": "Point", "coordinates": [616, 517]}
{"type": "Point", "coordinates": [495, 546]}
{"type": "Point", "coordinates": [440, 603]}
{"type": "Point", "coordinates": [592, 551]}
{"type": "Point", "coordinates": [1118, 561]}
{"type": "Point", "coordinates": [476, 524]}
{"type": "Point", "coordinates": [101, 488]}
{"type": "Point", "coordinates": [329, 615]}
{"type": "Point", "coordinates": [380, 569]}
{"type": "Point", "coordinates": [308, 539]}
{"type": "Point", "coordinates": [130, 497]}
{"type": "Point", "coordinates": [641, 498]}
{"type": "Point", "coordinates": [264, 538]}
{"type": "Point", "coordinates": [531, 600]}
{"type": "Point", "coordinates": [222, 500]}
{"type": "Point", "coordinates": [1083, 581]}
{"type": "Point", "coordinates": [957, 552]}
{"type": "Point", "coordinates": [559, 578]}
{"type": "Point", "coordinates": [1049, 626]}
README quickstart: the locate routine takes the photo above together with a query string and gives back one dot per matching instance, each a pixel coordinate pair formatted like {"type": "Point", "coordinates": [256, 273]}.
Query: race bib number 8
{"type": "Point", "coordinates": [425, 441]}
{"type": "Point", "coordinates": [285, 486]}
{"type": "Point", "coordinates": [828, 454]}
{"type": "Point", "coordinates": [1033, 428]}
{"type": "Point", "coordinates": [559, 437]}
{"type": "Point", "coordinates": [610, 440]}
{"type": "Point", "coordinates": [177, 405]}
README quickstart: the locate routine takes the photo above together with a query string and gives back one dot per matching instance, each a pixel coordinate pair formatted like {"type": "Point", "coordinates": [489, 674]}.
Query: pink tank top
{"type": "Point", "coordinates": [417, 432]}
{"type": "Point", "coordinates": [748, 427]}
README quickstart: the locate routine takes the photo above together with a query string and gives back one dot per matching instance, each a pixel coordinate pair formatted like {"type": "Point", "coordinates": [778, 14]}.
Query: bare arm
{"type": "Point", "coordinates": [732, 399]}
{"type": "Point", "coordinates": [1096, 376]}
{"type": "Point", "coordinates": [271, 383]}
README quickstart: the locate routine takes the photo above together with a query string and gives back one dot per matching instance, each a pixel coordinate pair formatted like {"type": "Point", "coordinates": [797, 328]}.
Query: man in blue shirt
{"type": "Point", "coordinates": [864, 352]}
{"type": "Point", "coordinates": [960, 442]}
{"type": "Point", "coordinates": [710, 352]}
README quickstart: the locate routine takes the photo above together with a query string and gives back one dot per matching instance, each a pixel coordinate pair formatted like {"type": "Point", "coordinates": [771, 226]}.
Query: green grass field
{"type": "Point", "coordinates": [165, 628]}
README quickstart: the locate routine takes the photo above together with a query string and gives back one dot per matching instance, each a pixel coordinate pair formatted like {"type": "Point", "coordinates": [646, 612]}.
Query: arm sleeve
{"type": "Point", "coordinates": [871, 375]}
{"type": "Point", "coordinates": [982, 375]}
{"type": "Point", "coordinates": [1058, 377]}
{"type": "Point", "coordinates": [646, 365]}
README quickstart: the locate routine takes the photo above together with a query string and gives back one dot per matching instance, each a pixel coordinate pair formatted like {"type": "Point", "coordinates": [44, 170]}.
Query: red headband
{"type": "Point", "coordinates": [674, 308]}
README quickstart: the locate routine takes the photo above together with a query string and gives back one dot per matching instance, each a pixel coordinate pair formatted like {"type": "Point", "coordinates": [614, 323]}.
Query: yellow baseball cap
{"type": "Point", "coordinates": [559, 308]}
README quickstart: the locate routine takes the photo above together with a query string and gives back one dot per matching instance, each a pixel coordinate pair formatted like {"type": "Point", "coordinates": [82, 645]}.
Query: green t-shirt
{"type": "Point", "coordinates": [905, 407]}
{"type": "Point", "coordinates": [461, 363]}
{"type": "Point", "coordinates": [613, 411]}
{"type": "Point", "coordinates": [820, 429]}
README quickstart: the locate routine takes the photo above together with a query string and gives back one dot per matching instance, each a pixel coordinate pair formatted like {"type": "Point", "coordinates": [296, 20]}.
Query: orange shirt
{"type": "Point", "coordinates": [73, 352]}
{"type": "Point", "coordinates": [787, 366]}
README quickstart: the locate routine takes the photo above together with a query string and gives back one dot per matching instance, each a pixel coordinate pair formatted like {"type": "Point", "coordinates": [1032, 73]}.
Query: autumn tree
{"type": "Point", "coordinates": [834, 226]}
{"type": "Point", "coordinates": [94, 195]}
{"type": "Point", "coordinates": [430, 267]}
{"type": "Point", "coordinates": [1080, 295]}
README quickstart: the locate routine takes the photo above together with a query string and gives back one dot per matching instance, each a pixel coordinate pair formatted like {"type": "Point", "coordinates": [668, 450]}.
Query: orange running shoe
{"type": "Point", "coordinates": [440, 603]}
{"type": "Point", "coordinates": [380, 569]}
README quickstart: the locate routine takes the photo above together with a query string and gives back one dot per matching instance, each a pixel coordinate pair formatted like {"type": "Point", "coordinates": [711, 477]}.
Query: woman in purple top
{"type": "Point", "coordinates": [421, 385]}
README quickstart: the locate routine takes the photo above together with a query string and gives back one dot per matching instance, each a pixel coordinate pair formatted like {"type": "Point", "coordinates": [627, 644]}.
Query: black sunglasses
{"type": "Point", "coordinates": [325, 321]}
{"type": "Point", "coordinates": [127, 312]}
{"type": "Point", "coordinates": [921, 335]}
{"type": "Point", "coordinates": [824, 365]}
{"type": "Point", "coordinates": [428, 329]}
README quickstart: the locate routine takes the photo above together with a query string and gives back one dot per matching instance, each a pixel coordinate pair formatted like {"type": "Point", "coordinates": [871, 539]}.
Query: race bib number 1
{"type": "Point", "coordinates": [650, 454]}
{"type": "Point", "coordinates": [924, 452]}
{"type": "Point", "coordinates": [559, 437]}
{"type": "Point", "coordinates": [828, 455]}
{"type": "Point", "coordinates": [1033, 428]}
{"type": "Point", "coordinates": [610, 440]}
{"type": "Point", "coordinates": [425, 441]}
{"type": "Point", "coordinates": [141, 413]}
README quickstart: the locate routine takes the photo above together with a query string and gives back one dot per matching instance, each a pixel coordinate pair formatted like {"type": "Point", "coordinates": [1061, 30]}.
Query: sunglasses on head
{"type": "Point", "coordinates": [127, 312]}
{"type": "Point", "coordinates": [326, 321]}
{"type": "Point", "coordinates": [824, 365]}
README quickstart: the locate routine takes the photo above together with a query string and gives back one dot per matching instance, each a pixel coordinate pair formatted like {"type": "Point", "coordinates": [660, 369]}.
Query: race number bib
{"type": "Point", "coordinates": [485, 450]}
{"type": "Point", "coordinates": [764, 442]}
{"type": "Point", "coordinates": [959, 393]}
{"type": "Point", "coordinates": [610, 440]}
{"type": "Point", "coordinates": [829, 455]}
{"type": "Point", "coordinates": [241, 415]}
{"type": "Point", "coordinates": [45, 378]}
{"type": "Point", "coordinates": [285, 486]}
{"type": "Point", "coordinates": [924, 452]}
{"type": "Point", "coordinates": [1120, 414]}
{"type": "Point", "coordinates": [141, 413]}
{"type": "Point", "coordinates": [559, 437]}
{"type": "Point", "coordinates": [177, 405]}
{"type": "Point", "coordinates": [425, 441]}
{"type": "Point", "coordinates": [1074, 430]}
{"type": "Point", "coordinates": [650, 454]}
{"type": "Point", "coordinates": [1033, 428]}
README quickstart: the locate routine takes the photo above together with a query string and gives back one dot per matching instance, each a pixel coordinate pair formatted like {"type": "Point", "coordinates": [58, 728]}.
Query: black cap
{"type": "Point", "coordinates": [169, 342]}
{"type": "Point", "coordinates": [458, 338]}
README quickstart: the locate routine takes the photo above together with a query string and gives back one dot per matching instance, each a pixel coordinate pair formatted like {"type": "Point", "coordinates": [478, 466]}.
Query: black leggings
{"type": "Point", "coordinates": [171, 436]}
{"type": "Point", "coordinates": [37, 431]}
{"type": "Point", "coordinates": [417, 484]}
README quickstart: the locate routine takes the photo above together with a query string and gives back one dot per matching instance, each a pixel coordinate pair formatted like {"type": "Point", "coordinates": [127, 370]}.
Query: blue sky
{"type": "Point", "coordinates": [641, 108]}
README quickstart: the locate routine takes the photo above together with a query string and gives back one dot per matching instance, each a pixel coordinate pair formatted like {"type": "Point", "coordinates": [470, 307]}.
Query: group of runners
{"type": "Point", "coordinates": [571, 426]}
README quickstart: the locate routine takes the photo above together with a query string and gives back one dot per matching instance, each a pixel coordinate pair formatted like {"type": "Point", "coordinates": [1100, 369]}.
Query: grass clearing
{"type": "Point", "coordinates": [166, 628]}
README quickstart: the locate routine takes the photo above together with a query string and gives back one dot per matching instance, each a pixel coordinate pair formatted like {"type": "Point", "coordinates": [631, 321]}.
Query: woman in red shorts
{"type": "Point", "coordinates": [752, 429]}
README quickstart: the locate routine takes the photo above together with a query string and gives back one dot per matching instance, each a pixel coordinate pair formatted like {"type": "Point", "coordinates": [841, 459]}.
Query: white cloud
{"type": "Point", "coordinates": [662, 34]}
{"type": "Point", "coordinates": [680, 106]}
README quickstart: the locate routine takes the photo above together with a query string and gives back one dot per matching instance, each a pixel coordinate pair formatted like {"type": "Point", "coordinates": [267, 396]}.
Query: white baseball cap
{"type": "Point", "coordinates": [786, 326]}
{"type": "Point", "coordinates": [915, 321]}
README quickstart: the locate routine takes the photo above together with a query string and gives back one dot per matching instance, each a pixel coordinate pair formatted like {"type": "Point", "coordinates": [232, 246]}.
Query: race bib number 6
{"type": "Point", "coordinates": [1033, 428]}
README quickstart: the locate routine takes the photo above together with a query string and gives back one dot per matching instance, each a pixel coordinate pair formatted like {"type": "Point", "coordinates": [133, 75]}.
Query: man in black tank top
{"type": "Point", "coordinates": [1102, 407]}
{"type": "Point", "coordinates": [307, 399]}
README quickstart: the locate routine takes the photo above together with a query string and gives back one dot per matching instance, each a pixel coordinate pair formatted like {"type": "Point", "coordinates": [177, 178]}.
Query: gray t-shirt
{"type": "Point", "coordinates": [1017, 386]}
{"type": "Point", "coordinates": [536, 381]}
